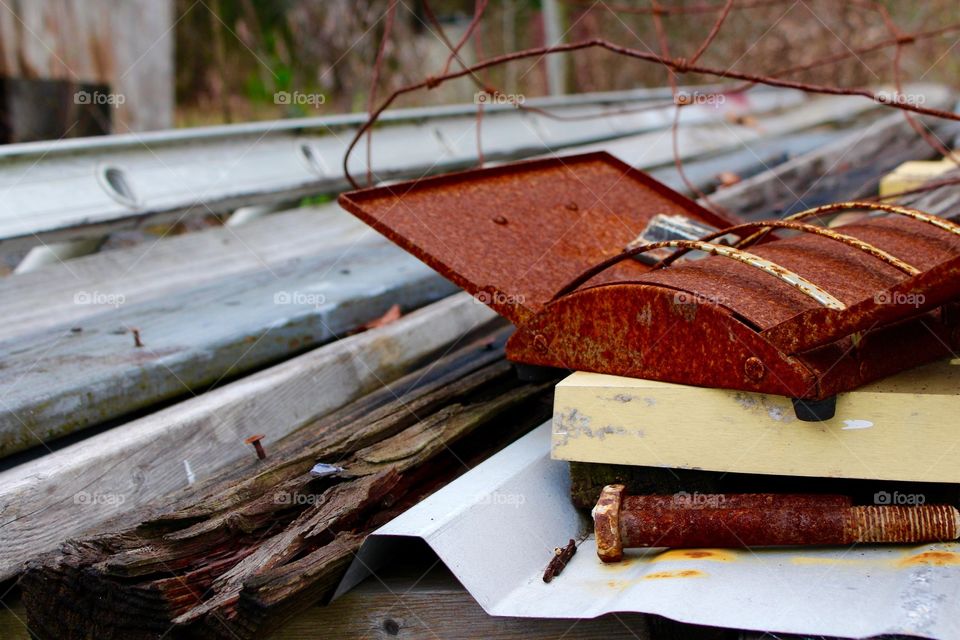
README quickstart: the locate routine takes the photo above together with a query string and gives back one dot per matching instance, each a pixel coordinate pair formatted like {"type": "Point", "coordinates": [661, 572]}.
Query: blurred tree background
{"type": "Point", "coordinates": [233, 56]}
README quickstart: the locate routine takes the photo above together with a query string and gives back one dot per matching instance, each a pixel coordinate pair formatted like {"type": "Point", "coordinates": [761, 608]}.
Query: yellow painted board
{"type": "Point", "coordinates": [913, 174]}
{"type": "Point", "coordinates": [905, 427]}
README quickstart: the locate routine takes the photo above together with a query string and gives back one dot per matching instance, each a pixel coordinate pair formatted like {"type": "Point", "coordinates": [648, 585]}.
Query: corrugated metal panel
{"type": "Point", "coordinates": [496, 528]}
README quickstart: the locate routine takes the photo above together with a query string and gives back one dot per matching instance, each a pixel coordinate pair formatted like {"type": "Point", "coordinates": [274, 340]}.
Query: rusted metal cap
{"type": "Point", "coordinates": [255, 438]}
{"type": "Point", "coordinates": [606, 523]}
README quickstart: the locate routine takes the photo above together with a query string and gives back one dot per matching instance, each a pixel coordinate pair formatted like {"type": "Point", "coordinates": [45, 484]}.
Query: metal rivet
{"type": "Point", "coordinates": [754, 369]}
{"type": "Point", "coordinates": [572, 206]}
{"type": "Point", "coordinates": [500, 220]}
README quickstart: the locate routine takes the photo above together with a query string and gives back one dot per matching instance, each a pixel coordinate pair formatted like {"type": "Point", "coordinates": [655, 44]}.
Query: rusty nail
{"type": "Point", "coordinates": [255, 441]}
{"type": "Point", "coordinates": [561, 556]}
{"type": "Point", "coordinates": [762, 520]}
{"type": "Point", "coordinates": [500, 219]}
{"type": "Point", "coordinates": [137, 342]}
{"type": "Point", "coordinates": [754, 369]}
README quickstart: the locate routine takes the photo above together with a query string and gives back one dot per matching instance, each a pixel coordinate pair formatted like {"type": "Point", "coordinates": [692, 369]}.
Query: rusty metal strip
{"type": "Point", "coordinates": [795, 280]}
{"type": "Point", "coordinates": [857, 243]}
{"type": "Point", "coordinates": [916, 214]}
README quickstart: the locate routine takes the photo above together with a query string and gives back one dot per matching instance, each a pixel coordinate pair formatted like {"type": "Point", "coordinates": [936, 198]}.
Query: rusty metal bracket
{"type": "Point", "coordinates": [541, 242]}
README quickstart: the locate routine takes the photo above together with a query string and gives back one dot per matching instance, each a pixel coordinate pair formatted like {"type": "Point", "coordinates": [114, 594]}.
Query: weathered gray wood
{"type": "Point", "coordinates": [654, 149]}
{"type": "Point", "coordinates": [76, 489]}
{"type": "Point", "coordinates": [848, 168]}
{"type": "Point", "coordinates": [755, 157]}
{"type": "Point", "coordinates": [246, 555]}
{"type": "Point", "coordinates": [147, 271]}
{"type": "Point", "coordinates": [415, 601]}
{"type": "Point", "coordinates": [58, 381]}
{"type": "Point", "coordinates": [126, 45]}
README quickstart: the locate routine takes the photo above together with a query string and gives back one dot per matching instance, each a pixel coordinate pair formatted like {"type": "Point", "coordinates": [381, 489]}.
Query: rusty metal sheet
{"type": "Point", "coordinates": [514, 234]}
{"type": "Point", "coordinates": [548, 244]}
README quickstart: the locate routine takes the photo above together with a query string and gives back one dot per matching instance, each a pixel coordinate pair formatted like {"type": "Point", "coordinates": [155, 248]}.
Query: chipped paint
{"type": "Point", "coordinates": [856, 424]}
{"type": "Point", "coordinates": [570, 423]}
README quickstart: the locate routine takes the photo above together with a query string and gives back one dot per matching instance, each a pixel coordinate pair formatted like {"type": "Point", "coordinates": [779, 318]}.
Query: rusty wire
{"type": "Point", "coordinates": [674, 66]}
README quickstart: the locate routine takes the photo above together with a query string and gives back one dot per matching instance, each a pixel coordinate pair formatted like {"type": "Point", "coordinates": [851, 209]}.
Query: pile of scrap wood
{"type": "Point", "coordinates": [266, 539]}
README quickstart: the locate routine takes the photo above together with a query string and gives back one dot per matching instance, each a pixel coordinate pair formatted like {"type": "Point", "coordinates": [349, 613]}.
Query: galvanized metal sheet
{"type": "Point", "coordinates": [496, 528]}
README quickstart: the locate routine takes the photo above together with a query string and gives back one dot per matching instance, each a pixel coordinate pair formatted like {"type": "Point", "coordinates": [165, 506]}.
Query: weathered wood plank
{"type": "Point", "coordinates": [48, 297]}
{"type": "Point", "coordinates": [654, 149]}
{"type": "Point", "coordinates": [60, 380]}
{"type": "Point", "coordinates": [755, 157]}
{"type": "Point", "coordinates": [892, 429]}
{"type": "Point", "coordinates": [846, 169]}
{"type": "Point", "coordinates": [245, 556]}
{"type": "Point", "coordinates": [74, 490]}
{"type": "Point", "coordinates": [422, 599]}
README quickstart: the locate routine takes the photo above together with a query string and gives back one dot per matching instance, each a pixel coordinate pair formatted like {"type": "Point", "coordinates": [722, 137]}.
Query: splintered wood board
{"type": "Point", "coordinates": [901, 428]}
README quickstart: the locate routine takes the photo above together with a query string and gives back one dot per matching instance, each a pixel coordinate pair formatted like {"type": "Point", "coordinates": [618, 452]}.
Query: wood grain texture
{"type": "Point", "coordinates": [61, 380]}
{"type": "Point", "coordinates": [46, 298]}
{"type": "Point", "coordinates": [421, 599]}
{"type": "Point", "coordinates": [653, 149]}
{"type": "Point", "coordinates": [247, 554]}
{"type": "Point", "coordinates": [76, 489]}
{"type": "Point", "coordinates": [900, 428]}
{"type": "Point", "coordinates": [843, 170]}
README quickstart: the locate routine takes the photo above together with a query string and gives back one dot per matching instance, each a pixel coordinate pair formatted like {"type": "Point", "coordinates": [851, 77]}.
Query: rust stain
{"type": "Point", "coordinates": [932, 559]}
{"type": "Point", "coordinates": [686, 573]}
{"type": "Point", "coordinates": [711, 555]}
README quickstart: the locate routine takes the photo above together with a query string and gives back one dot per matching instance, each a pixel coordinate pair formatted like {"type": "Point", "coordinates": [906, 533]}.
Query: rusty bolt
{"type": "Point", "coordinates": [762, 520]}
{"type": "Point", "coordinates": [500, 220]}
{"type": "Point", "coordinates": [137, 341]}
{"type": "Point", "coordinates": [753, 368]}
{"type": "Point", "coordinates": [255, 441]}
{"type": "Point", "coordinates": [540, 343]}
